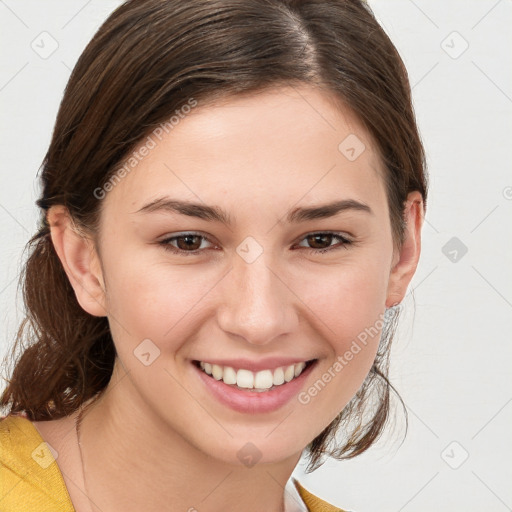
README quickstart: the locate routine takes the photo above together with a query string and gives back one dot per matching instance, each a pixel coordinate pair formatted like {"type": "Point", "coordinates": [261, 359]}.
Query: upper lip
{"type": "Point", "coordinates": [270, 363]}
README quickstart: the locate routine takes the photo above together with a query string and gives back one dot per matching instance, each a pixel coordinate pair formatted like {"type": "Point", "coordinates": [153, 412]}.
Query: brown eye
{"type": "Point", "coordinates": [187, 244]}
{"type": "Point", "coordinates": [320, 240]}
{"type": "Point", "coordinates": [323, 242]}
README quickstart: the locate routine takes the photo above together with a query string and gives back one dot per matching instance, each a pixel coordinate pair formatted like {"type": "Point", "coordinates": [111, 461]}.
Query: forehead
{"type": "Point", "coordinates": [288, 143]}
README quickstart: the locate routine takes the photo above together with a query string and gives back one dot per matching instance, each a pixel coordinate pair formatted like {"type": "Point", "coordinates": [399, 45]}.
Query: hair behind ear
{"type": "Point", "coordinates": [68, 351]}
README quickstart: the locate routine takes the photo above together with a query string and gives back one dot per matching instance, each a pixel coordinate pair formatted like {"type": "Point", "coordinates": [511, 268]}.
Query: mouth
{"type": "Point", "coordinates": [252, 392]}
{"type": "Point", "coordinates": [261, 381]}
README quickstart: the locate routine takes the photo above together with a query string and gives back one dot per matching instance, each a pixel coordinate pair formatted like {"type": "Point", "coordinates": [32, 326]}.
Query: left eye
{"type": "Point", "coordinates": [192, 243]}
{"type": "Point", "coordinates": [322, 242]}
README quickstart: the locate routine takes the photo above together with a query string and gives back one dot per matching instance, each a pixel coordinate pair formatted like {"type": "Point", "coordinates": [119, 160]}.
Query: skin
{"type": "Point", "coordinates": [157, 440]}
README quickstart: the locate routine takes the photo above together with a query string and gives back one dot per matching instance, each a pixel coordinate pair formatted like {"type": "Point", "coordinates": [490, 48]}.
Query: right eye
{"type": "Point", "coordinates": [185, 244]}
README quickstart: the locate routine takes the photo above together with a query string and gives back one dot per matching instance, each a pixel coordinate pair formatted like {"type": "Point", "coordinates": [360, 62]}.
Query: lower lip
{"type": "Point", "coordinates": [254, 402]}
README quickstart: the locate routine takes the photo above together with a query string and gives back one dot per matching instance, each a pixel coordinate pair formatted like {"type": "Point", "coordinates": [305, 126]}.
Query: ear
{"type": "Point", "coordinates": [406, 259]}
{"type": "Point", "coordinates": [80, 260]}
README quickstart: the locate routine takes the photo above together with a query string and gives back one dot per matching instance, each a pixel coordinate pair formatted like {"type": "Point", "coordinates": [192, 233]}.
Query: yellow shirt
{"type": "Point", "coordinates": [31, 481]}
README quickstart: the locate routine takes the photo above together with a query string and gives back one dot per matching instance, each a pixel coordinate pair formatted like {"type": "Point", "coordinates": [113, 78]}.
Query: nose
{"type": "Point", "coordinates": [256, 305]}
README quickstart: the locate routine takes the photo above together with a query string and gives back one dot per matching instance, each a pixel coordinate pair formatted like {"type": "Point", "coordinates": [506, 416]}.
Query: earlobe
{"type": "Point", "coordinates": [80, 261]}
{"type": "Point", "coordinates": [409, 253]}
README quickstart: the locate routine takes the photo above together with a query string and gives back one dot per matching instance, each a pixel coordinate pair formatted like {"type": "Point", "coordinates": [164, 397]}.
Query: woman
{"type": "Point", "coordinates": [232, 205]}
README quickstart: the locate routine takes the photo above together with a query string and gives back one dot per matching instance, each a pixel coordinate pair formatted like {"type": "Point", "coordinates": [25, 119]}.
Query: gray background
{"type": "Point", "coordinates": [452, 359]}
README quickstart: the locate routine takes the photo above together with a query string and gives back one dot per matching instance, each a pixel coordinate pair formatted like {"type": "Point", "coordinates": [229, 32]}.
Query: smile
{"type": "Point", "coordinates": [261, 381]}
{"type": "Point", "coordinates": [264, 388]}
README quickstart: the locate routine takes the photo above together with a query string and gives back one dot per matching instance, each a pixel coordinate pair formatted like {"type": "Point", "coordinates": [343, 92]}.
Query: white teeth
{"type": "Point", "coordinates": [298, 368]}
{"type": "Point", "coordinates": [263, 379]}
{"type": "Point", "coordinates": [229, 376]}
{"type": "Point", "coordinates": [258, 381]}
{"type": "Point", "coordinates": [289, 373]}
{"type": "Point", "coordinates": [245, 379]}
{"type": "Point", "coordinates": [217, 372]}
{"type": "Point", "coordinates": [278, 377]}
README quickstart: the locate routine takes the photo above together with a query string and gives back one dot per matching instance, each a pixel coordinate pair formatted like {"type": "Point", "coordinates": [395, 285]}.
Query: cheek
{"type": "Point", "coordinates": [149, 298]}
{"type": "Point", "coordinates": [346, 299]}
{"type": "Point", "coordinates": [347, 306]}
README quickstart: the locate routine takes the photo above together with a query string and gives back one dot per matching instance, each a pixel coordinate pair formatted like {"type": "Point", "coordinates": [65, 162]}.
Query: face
{"type": "Point", "coordinates": [247, 261]}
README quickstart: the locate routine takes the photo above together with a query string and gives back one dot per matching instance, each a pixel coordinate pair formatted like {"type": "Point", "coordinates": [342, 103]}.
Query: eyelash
{"type": "Point", "coordinates": [343, 243]}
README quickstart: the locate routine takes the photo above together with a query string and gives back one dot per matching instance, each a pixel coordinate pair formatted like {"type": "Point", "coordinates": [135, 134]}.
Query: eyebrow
{"type": "Point", "coordinates": [215, 213]}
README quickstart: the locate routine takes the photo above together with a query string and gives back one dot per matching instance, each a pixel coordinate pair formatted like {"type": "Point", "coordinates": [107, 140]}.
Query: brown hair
{"type": "Point", "coordinates": [146, 61]}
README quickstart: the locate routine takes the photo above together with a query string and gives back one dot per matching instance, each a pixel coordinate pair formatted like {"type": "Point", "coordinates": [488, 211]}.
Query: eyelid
{"type": "Point", "coordinates": [166, 242]}
{"type": "Point", "coordinates": [341, 234]}
{"type": "Point", "coordinates": [177, 234]}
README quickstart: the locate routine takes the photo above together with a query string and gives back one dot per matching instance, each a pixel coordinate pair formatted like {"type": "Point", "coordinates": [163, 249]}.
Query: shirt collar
{"type": "Point", "coordinates": [292, 500]}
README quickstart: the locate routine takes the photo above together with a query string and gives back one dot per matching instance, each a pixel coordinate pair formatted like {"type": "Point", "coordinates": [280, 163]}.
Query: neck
{"type": "Point", "coordinates": [134, 461]}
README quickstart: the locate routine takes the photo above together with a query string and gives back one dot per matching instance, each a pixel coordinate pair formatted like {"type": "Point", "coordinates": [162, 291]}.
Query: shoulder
{"type": "Point", "coordinates": [29, 476]}
{"type": "Point", "coordinates": [314, 503]}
